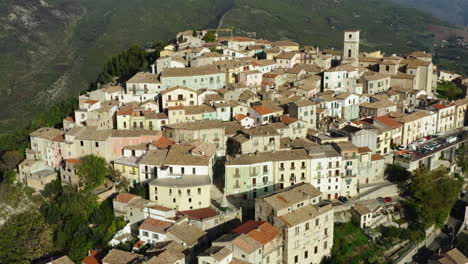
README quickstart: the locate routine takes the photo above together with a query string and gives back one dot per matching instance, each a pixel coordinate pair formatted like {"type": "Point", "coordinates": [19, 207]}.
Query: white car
{"type": "Point", "coordinates": [402, 147]}
{"type": "Point", "coordinates": [420, 141]}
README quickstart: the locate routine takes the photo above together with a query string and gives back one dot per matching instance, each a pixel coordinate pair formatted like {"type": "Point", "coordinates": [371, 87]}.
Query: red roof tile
{"type": "Point", "coordinates": [200, 214]}
{"type": "Point", "coordinates": [126, 197]}
{"type": "Point", "coordinates": [125, 111]}
{"type": "Point", "coordinates": [288, 119]}
{"type": "Point", "coordinates": [91, 101]}
{"type": "Point", "coordinates": [74, 161]}
{"type": "Point", "coordinates": [247, 227]}
{"type": "Point", "coordinates": [263, 110]}
{"type": "Point", "coordinates": [156, 225]}
{"type": "Point", "coordinates": [94, 258]}
{"type": "Point", "coordinates": [163, 143]}
{"type": "Point", "coordinates": [69, 119]}
{"type": "Point", "coordinates": [364, 150]}
{"type": "Point", "coordinates": [388, 121]}
{"type": "Point", "coordinates": [261, 231]}
{"type": "Point", "coordinates": [264, 233]}
{"type": "Point", "coordinates": [138, 244]}
{"type": "Point", "coordinates": [377, 157]}
{"type": "Point", "coordinates": [438, 106]}
{"type": "Point", "coordinates": [239, 117]}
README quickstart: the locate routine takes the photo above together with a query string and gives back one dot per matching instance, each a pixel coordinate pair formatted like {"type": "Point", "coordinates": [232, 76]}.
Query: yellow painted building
{"type": "Point", "coordinates": [185, 193]}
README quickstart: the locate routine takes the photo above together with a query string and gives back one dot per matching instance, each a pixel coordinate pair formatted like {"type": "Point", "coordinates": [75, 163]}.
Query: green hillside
{"type": "Point", "coordinates": [452, 11]}
{"type": "Point", "coordinates": [384, 25]}
{"type": "Point", "coordinates": [54, 48]}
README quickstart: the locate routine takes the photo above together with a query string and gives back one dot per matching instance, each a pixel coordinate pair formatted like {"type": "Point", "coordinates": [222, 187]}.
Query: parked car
{"type": "Point", "coordinates": [380, 199]}
{"type": "Point", "coordinates": [402, 147]}
{"type": "Point", "coordinates": [343, 199]}
{"type": "Point", "coordinates": [428, 137]}
{"type": "Point", "coordinates": [388, 199]}
{"type": "Point", "coordinates": [420, 141]}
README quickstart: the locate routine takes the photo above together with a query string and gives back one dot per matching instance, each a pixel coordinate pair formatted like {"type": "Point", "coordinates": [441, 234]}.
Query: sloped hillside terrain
{"type": "Point", "coordinates": [384, 25]}
{"type": "Point", "coordinates": [452, 11]}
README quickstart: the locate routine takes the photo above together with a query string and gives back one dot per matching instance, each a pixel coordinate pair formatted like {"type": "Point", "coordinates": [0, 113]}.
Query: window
{"type": "Point", "coordinates": [296, 259]}
{"type": "Point", "coordinates": [145, 233]}
{"type": "Point", "coordinates": [325, 245]}
{"type": "Point", "coordinates": [317, 222]}
{"type": "Point", "coordinates": [315, 250]}
{"type": "Point", "coordinates": [307, 226]}
{"type": "Point", "coordinates": [265, 169]}
{"type": "Point", "coordinates": [193, 170]}
{"type": "Point", "coordinates": [81, 143]}
{"type": "Point", "coordinates": [306, 254]}
{"type": "Point", "coordinates": [155, 236]}
{"type": "Point", "coordinates": [296, 230]}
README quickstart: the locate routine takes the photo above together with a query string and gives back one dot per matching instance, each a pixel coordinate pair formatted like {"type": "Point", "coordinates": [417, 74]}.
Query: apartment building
{"type": "Point", "coordinates": [307, 225]}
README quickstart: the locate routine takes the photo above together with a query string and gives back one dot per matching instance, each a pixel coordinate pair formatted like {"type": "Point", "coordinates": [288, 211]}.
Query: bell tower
{"type": "Point", "coordinates": [351, 48]}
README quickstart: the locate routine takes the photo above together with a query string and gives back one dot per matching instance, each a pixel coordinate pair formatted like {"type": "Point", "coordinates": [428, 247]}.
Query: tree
{"type": "Point", "coordinates": [92, 171]}
{"type": "Point", "coordinates": [433, 194]}
{"type": "Point", "coordinates": [121, 182]}
{"type": "Point", "coordinates": [25, 237]}
{"type": "Point", "coordinates": [210, 36]}
{"type": "Point", "coordinates": [448, 90]}
{"type": "Point", "coordinates": [351, 245]}
{"type": "Point", "coordinates": [397, 173]}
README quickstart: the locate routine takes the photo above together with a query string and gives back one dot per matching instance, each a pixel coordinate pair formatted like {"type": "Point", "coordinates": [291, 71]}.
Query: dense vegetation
{"type": "Point", "coordinates": [448, 90]}
{"type": "Point", "coordinates": [351, 245]}
{"type": "Point", "coordinates": [432, 196]}
{"type": "Point", "coordinates": [78, 221]}
{"type": "Point", "coordinates": [25, 237]}
{"type": "Point", "coordinates": [453, 11]}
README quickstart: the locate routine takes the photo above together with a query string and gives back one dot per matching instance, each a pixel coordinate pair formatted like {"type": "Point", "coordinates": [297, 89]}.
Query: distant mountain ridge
{"type": "Point", "coordinates": [53, 48]}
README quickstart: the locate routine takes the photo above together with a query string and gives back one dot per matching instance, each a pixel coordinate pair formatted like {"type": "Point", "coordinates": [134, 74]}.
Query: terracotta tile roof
{"type": "Point", "coordinates": [94, 258]}
{"type": "Point", "coordinates": [155, 225]}
{"type": "Point", "coordinates": [125, 111]}
{"type": "Point", "coordinates": [261, 231]}
{"type": "Point", "coordinates": [288, 119]}
{"type": "Point", "coordinates": [377, 157]}
{"type": "Point", "coordinates": [74, 161]}
{"type": "Point", "coordinates": [263, 110]}
{"type": "Point", "coordinates": [239, 117]}
{"type": "Point", "coordinates": [91, 101]}
{"type": "Point", "coordinates": [438, 106]}
{"type": "Point", "coordinates": [201, 213]}
{"type": "Point", "coordinates": [235, 38]}
{"type": "Point", "coordinates": [364, 150]}
{"type": "Point", "coordinates": [126, 197]}
{"type": "Point", "coordinates": [139, 244]}
{"type": "Point", "coordinates": [163, 143]}
{"type": "Point", "coordinates": [246, 243]}
{"type": "Point", "coordinates": [69, 119]}
{"type": "Point", "coordinates": [388, 121]}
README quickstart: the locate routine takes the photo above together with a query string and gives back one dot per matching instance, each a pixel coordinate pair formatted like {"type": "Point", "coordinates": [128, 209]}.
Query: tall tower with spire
{"type": "Point", "coordinates": [351, 48]}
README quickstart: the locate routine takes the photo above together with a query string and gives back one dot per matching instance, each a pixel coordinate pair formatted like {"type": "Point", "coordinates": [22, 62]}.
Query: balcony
{"type": "Point", "coordinates": [281, 168]}
{"type": "Point", "coordinates": [236, 175]}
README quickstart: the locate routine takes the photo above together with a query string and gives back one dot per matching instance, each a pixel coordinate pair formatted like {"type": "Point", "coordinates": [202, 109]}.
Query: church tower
{"type": "Point", "coordinates": [351, 47]}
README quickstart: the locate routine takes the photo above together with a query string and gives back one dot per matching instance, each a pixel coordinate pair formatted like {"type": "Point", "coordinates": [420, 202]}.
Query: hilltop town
{"type": "Point", "coordinates": [250, 150]}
